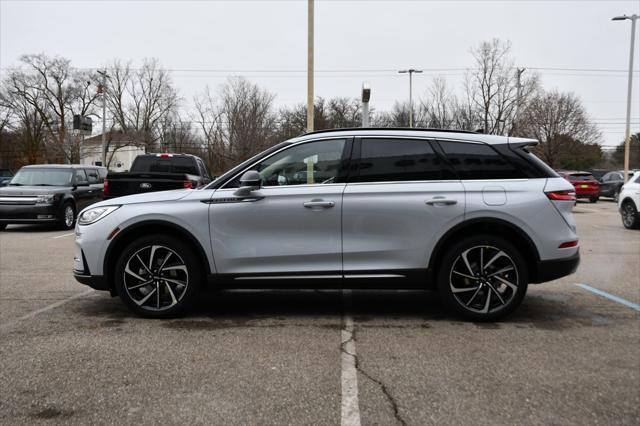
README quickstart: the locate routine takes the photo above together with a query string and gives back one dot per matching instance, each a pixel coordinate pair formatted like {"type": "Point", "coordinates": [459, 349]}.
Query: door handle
{"type": "Point", "coordinates": [319, 203]}
{"type": "Point", "coordinates": [441, 201]}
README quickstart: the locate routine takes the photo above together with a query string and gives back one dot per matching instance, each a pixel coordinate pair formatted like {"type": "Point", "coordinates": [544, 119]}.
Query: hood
{"type": "Point", "coordinates": [148, 197]}
{"type": "Point", "coordinates": [32, 190]}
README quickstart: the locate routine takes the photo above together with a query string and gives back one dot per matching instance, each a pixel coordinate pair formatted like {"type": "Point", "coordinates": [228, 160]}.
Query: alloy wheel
{"type": "Point", "coordinates": [156, 278]}
{"type": "Point", "coordinates": [483, 279]}
{"type": "Point", "coordinates": [68, 216]}
{"type": "Point", "coordinates": [628, 215]}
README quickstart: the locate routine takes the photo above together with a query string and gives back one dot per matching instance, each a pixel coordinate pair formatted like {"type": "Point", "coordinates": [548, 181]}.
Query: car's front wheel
{"type": "Point", "coordinates": [158, 276]}
{"type": "Point", "coordinates": [67, 216]}
{"type": "Point", "coordinates": [482, 278]}
{"type": "Point", "coordinates": [630, 216]}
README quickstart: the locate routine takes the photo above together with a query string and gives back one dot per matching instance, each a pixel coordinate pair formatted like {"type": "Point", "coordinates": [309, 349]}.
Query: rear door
{"type": "Point", "coordinates": [401, 199]}
{"type": "Point", "coordinates": [95, 187]}
{"type": "Point", "coordinates": [82, 192]}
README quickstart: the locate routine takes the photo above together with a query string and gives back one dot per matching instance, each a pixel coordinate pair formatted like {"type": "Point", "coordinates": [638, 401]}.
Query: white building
{"type": "Point", "coordinates": [90, 151]}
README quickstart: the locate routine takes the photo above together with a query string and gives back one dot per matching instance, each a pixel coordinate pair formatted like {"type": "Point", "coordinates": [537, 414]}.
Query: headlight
{"type": "Point", "coordinates": [93, 215]}
{"type": "Point", "coordinates": [45, 199]}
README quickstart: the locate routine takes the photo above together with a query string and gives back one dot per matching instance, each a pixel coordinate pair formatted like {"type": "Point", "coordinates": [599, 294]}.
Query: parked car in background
{"type": "Point", "coordinates": [611, 183]}
{"type": "Point", "coordinates": [585, 184]}
{"type": "Point", "coordinates": [629, 202]}
{"type": "Point", "coordinates": [158, 172]}
{"type": "Point", "coordinates": [5, 176]}
{"type": "Point", "coordinates": [475, 216]}
{"type": "Point", "coordinates": [598, 173]}
{"type": "Point", "coordinates": [50, 193]}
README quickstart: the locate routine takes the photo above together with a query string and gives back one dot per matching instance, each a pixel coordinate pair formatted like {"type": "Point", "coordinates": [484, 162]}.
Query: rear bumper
{"type": "Point", "coordinates": [549, 270]}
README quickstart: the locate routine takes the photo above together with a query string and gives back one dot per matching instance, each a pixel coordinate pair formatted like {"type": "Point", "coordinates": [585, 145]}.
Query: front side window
{"type": "Point", "coordinates": [393, 160]}
{"type": "Point", "coordinates": [306, 164]}
{"type": "Point", "coordinates": [479, 161]}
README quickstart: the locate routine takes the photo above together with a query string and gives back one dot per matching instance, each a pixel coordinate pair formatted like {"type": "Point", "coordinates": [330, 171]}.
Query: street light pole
{"type": "Point", "coordinates": [310, 30]}
{"type": "Point", "coordinates": [103, 153]}
{"type": "Point", "coordinates": [410, 72]}
{"type": "Point", "coordinates": [627, 130]}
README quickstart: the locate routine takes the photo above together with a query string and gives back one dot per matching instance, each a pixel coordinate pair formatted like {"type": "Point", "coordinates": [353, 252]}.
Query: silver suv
{"type": "Point", "coordinates": [475, 216]}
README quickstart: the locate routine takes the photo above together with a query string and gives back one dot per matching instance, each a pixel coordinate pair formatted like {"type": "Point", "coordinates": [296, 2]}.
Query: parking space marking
{"type": "Point", "coordinates": [63, 235]}
{"type": "Point", "coordinates": [46, 308]}
{"type": "Point", "coordinates": [610, 297]}
{"type": "Point", "coordinates": [350, 410]}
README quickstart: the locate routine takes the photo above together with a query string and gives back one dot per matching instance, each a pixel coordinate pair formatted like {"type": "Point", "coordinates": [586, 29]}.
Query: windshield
{"type": "Point", "coordinates": [42, 177]}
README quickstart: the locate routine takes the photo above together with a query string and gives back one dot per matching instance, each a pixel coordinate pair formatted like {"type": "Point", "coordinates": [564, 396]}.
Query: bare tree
{"type": "Point", "coordinates": [556, 119]}
{"type": "Point", "coordinates": [492, 88]}
{"type": "Point", "coordinates": [57, 92]}
{"type": "Point", "coordinates": [239, 124]}
{"type": "Point", "coordinates": [139, 101]}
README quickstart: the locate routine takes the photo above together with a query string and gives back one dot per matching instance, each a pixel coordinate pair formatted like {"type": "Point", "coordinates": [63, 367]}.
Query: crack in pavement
{"type": "Point", "coordinates": [385, 390]}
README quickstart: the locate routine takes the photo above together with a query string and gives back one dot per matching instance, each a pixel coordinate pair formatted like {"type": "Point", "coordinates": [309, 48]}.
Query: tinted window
{"type": "Point", "coordinates": [581, 176]}
{"type": "Point", "coordinates": [386, 160]}
{"type": "Point", "coordinates": [165, 165]}
{"type": "Point", "coordinates": [92, 175]}
{"type": "Point", "coordinates": [81, 176]}
{"type": "Point", "coordinates": [479, 161]}
{"type": "Point", "coordinates": [309, 163]}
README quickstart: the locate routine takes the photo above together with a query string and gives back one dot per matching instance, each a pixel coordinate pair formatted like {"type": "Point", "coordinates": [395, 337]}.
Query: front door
{"type": "Point", "coordinates": [291, 226]}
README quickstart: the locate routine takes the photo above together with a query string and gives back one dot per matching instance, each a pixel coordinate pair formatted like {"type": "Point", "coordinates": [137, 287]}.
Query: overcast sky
{"type": "Point", "coordinates": [206, 41]}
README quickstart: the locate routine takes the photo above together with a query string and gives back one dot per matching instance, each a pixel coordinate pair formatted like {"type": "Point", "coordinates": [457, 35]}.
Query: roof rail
{"type": "Point", "coordinates": [390, 128]}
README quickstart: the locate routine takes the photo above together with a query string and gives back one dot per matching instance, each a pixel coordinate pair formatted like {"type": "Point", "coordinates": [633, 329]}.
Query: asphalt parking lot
{"type": "Point", "coordinates": [567, 356]}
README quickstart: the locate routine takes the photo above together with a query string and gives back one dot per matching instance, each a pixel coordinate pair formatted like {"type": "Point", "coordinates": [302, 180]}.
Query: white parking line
{"type": "Point", "coordinates": [350, 411]}
{"type": "Point", "coordinates": [610, 296]}
{"type": "Point", "coordinates": [63, 235]}
{"type": "Point", "coordinates": [46, 308]}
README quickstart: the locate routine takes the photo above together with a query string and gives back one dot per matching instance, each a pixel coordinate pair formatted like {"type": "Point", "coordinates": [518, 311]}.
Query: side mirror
{"type": "Point", "coordinates": [250, 181]}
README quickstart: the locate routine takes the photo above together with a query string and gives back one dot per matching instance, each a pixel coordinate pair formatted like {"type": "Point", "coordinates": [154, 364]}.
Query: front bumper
{"type": "Point", "coordinates": [549, 270]}
{"type": "Point", "coordinates": [28, 213]}
{"type": "Point", "coordinates": [97, 282]}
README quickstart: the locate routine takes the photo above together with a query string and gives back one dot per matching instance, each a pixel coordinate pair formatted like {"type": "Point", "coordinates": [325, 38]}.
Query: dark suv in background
{"type": "Point", "coordinates": [50, 193]}
{"type": "Point", "coordinates": [5, 176]}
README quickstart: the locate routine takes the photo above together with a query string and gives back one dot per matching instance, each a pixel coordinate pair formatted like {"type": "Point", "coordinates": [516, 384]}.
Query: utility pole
{"type": "Point", "coordinates": [627, 130]}
{"type": "Point", "coordinates": [103, 89]}
{"type": "Point", "coordinates": [310, 29]}
{"type": "Point", "coordinates": [519, 72]}
{"type": "Point", "coordinates": [410, 72]}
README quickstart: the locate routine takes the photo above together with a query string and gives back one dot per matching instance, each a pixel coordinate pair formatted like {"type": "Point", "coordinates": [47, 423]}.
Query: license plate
{"type": "Point", "coordinates": [584, 186]}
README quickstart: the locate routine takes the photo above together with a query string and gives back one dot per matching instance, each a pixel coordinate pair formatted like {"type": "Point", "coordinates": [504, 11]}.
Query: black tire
{"type": "Point", "coordinates": [470, 301]}
{"type": "Point", "coordinates": [169, 299]}
{"type": "Point", "coordinates": [63, 221]}
{"type": "Point", "coordinates": [616, 195]}
{"type": "Point", "coordinates": [594, 199]}
{"type": "Point", "coordinates": [629, 215]}
{"type": "Point", "coordinates": [3, 226]}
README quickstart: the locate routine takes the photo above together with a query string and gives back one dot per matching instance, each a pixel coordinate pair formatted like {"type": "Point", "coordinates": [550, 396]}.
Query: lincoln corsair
{"type": "Point", "coordinates": [476, 217]}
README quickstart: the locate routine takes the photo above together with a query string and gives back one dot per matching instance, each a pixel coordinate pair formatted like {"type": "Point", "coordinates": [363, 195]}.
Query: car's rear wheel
{"type": "Point", "coordinates": [630, 216]}
{"type": "Point", "coordinates": [67, 216]}
{"type": "Point", "coordinates": [482, 278]}
{"type": "Point", "coordinates": [593, 199]}
{"type": "Point", "coordinates": [616, 195]}
{"type": "Point", "coordinates": [158, 276]}
{"type": "Point", "coordinates": [2, 226]}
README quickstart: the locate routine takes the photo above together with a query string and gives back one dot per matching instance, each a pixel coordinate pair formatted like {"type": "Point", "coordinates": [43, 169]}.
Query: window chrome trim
{"type": "Point", "coordinates": [345, 138]}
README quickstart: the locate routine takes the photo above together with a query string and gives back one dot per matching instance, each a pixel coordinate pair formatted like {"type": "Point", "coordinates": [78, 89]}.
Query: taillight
{"type": "Point", "coordinates": [187, 184]}
{"type": "Point", "coordinates": [568, 244]}
{"type": "Point", "coordinates": [105, 188]}
{"type": "Point", "coordinates": [561, 195]}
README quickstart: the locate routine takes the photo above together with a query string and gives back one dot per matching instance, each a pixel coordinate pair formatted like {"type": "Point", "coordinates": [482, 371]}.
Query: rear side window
{"type": "Point", "coordinates": [92, 175]}
{"type": "Point", "coordinates": [81, 176]}
{"type": "Point", "coordinates": [479, 161]}
{"type": "Point", "coordinates": [387, 160]}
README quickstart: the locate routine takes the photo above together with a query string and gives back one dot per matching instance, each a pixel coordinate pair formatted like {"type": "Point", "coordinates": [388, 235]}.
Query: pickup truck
{"type": "Point", "coordinates": [158, 172]}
